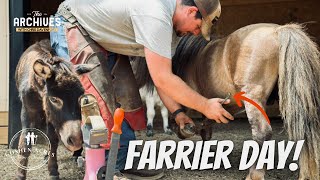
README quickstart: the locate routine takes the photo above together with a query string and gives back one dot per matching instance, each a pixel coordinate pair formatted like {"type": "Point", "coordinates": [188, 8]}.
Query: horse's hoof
{"type": "Point", "coordinates": [54, 178]}
{"type": "Point", "coordinates": [188, 131]}
{"type": "Point", "coordinates": [168, 131]}
{"type": "Point", "coordinates": [149, 133]}
{"type": "Point", "coordinates": [18, 177]}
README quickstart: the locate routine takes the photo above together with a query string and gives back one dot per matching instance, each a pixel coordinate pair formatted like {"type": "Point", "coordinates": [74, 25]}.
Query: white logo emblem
{"type": "Point", "coordinates": [32, 144]}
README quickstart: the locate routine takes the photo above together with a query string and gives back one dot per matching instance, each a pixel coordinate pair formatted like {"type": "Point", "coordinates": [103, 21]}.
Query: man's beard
{"type": "Point", "coordinates": [180, 34]}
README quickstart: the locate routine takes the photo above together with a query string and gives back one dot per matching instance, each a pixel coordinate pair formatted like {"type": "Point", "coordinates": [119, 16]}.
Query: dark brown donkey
{"type": "Point", "coordinates": [49, 89]}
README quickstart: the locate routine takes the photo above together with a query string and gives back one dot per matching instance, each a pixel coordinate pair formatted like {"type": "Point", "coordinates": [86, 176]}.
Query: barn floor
{"type": "Point", "coordinates": [237, 131]}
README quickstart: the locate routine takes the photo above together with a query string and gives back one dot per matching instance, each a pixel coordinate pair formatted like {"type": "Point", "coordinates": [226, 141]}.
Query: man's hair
{"type": "Point", "coordinates": [191, 3]}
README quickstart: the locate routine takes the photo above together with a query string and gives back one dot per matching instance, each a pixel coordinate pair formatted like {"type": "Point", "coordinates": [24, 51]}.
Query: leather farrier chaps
{"type": "Point", "coordinates": [112, 83]}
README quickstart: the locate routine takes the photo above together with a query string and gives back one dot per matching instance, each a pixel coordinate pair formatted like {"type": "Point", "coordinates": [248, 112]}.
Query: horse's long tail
{"type": "Point", "coordinates": [299, 92]}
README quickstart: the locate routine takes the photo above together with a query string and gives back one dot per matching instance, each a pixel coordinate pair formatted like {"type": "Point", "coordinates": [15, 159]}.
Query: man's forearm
{"type": "Point", "coordinates": [168, 102]}
{"type": "Point", "coordinates": [170, 84]}
{"type": "Point", "coordinates": [173, 87]}
{"type": "Point", "coordinates": [181, 118]}
{"type": "Point", "coordinates": [182, 93]}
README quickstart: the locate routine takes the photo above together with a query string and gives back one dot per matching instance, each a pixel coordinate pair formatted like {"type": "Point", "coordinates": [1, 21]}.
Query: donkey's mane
{"type": "Point", "coordinates": [52, 57]}
{"type": "Point", "coordinates": [65, 75]}
{"type": "Point", "coordinates": [187, 49]}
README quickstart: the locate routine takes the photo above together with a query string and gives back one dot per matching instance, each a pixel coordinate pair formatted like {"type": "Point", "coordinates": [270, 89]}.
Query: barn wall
{"type": "Point", "coordinates": [4, 70]}
{"type": "Point", "coordinates": [238, 13]}
{"type": "Point", "coordinates": [45, 6]}
{"type": "Point", "coordinates": [4, 54]}
{"type": "Point", "coordinates": [235, 14]}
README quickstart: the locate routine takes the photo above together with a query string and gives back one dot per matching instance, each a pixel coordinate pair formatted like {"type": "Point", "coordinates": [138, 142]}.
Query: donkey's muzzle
{"type": "Point", "coordinates": [73, 141]}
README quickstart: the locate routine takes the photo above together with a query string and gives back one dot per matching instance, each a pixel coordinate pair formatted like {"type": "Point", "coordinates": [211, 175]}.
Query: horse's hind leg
{"type": "Point", "coordinates": [150, 114]}
{"type": "Point", "coordinates": [206, 129]}
{"type": "Point", "coordinates": [165, 119]}
{"type": "Point", "coordinates": [52, 163]}
{"type": "Point", "coordinates": [261, 129]}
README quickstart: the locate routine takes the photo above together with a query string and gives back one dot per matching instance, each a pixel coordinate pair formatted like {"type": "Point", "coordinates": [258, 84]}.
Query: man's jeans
{"type": "Point", "coordinates": [59, 44]}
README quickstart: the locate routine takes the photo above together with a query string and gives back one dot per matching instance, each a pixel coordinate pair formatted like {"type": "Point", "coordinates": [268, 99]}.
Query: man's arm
{"type": "Point", "coordinates": [181, 118]}
{"type": "Point", "coordinates": [168, 102]}
{"type": "Point", "coordinates": [171, 85]}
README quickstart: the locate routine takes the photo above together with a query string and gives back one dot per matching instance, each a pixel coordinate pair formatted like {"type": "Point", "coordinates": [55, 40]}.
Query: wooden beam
{"type": "Point", "coordinates": [250, 2]}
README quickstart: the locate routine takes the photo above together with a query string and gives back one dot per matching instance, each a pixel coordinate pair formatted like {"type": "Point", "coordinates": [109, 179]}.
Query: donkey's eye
{"type": "Point", "coordinates": [56, 101]}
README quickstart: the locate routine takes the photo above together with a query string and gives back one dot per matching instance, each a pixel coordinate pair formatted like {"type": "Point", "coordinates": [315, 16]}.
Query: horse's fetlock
{"type": "Point", "coordinates": [54, 177]}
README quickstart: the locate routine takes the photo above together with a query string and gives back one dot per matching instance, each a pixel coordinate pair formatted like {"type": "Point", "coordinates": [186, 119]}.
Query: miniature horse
{"type": "Point", "coordinates": [256, 59]}
{"type": "Point", "coordinates": [252, 60]}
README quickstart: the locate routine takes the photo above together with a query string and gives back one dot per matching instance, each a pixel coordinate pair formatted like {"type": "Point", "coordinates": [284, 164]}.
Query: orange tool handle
{"type": "Point", "coordinates": [118, 118]}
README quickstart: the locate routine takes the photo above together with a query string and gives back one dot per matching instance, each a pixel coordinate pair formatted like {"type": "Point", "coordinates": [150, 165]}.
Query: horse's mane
{"type": "Point", "coordinates": [187, 49]}
{"type": "Point", "coordinates": [65, 76]}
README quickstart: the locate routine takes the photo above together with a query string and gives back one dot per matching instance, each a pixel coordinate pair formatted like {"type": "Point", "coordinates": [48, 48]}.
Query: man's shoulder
{"type": "Point", "coordinates": [153, 8]}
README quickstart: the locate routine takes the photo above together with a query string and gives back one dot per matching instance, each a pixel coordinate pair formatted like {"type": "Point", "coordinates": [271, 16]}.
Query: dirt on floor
{"type": "Point", "coordinates": [237, 131]}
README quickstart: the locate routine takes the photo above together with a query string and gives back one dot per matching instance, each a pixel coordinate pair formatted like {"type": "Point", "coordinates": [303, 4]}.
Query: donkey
{"type": "Point", "coordinates": [49, 89]}
{"type": "Point", "coordinates": [254, 59]}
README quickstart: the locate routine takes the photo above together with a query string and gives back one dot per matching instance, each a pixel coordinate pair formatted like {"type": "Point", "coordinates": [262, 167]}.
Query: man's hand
{"type": "Point", "coordinates": [182, 119]}
{"type": "Point", "coordinates": [215, 111]}
{"type": "Point", "coordinates": [177, 90]}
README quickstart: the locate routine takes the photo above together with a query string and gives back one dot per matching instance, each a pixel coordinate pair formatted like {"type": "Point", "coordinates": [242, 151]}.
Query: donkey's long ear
{"type": "Point", "coordinates": [42, 69]}
{"type": "Point", "coordinates": [84, 68]}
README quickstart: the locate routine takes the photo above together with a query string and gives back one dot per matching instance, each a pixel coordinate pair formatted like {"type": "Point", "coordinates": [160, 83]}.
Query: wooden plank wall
{"type": "Point", "coordinates": [45, 6]}
{"type": "Point", "coordinates": [239, 13]}
{"type": "Point", "coordinates": [4, 70]}
{"type": "Point", "coordinates": [3, 127]}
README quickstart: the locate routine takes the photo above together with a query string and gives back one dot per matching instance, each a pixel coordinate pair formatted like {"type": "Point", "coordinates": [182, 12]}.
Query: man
{"type": "Point", "coordinates": [93, 31]}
